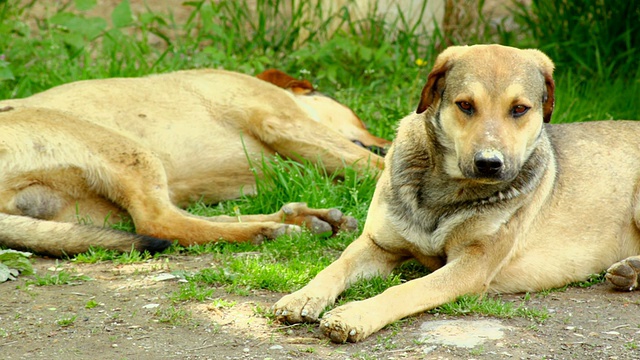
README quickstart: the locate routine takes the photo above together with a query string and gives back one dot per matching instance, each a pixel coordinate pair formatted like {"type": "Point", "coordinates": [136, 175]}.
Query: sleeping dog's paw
{"type": "Point", "coordinates": [624, 274]}
{"type": "Point", "coordinates": [319, 221]}
{"type": "Point", "coordinates": [273, 230]}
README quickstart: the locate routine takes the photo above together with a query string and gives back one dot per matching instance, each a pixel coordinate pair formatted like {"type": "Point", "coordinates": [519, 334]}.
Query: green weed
{"type": "Point", "coordinates": [58, 278]}
{"type": "Point", "coordinates": [67, 321]}
{"type": "Point", "coordinates": [192, 291]}
{"type": "Point", "coordinates": [173, 316]}
{"type": "Point", "coordinates": [490, 306]}
{"type": "Point", "coordinates": [94, 255]}
{"type": "Point", "coordinates": [91, 304]}
{"type": "Point", "coordinates": [596, 38]}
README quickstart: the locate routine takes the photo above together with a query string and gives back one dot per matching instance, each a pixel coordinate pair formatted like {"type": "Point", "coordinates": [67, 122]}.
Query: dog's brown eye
{"type": "Point", "coordinates": [465, 106]}
{"type": "Point", "coordinates": [519, 110]}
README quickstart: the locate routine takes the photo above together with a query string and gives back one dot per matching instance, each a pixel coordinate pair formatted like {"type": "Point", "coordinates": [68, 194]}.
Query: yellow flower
{"type": "Point", "coordinates": [421, 62]}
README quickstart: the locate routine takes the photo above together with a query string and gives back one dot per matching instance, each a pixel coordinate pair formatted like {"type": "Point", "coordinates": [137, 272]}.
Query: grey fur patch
{"type": "Point", "coordinates": [39, 202]}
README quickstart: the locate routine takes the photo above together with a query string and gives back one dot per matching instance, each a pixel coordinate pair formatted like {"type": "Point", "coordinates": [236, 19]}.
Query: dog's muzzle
{"type": "Point", "coordinates": [488, 164]}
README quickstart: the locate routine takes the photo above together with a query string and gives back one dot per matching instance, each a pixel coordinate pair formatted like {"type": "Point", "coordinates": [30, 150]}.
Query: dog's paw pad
{"type": "Point", "coordinates": [298, 308]}
{"type": "Point", "coordinates": [338, 329]}
{"type": "Point", "coordinates": [279, 230]}
{"type": "Point", "coordinates": [624, 275]}
{"type": "Point", "coordinates": [319, 227]}
{"type": "Point", "coordinates": [334, 215]}
{"type": "Point", "coordinates": [349, 224]}
{"type": "Point", "coordinates": [334, 331]}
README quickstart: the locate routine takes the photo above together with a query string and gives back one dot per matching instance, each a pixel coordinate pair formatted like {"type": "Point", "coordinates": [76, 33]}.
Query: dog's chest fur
{"type": "Point", "coordinates": [426, 205]}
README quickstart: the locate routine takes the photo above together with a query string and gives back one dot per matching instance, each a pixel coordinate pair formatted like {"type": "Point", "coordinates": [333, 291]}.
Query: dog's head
{"type": "Point", "coordinates": [487, 104]}
{"type": "Point", "coordinates": [327, 111]}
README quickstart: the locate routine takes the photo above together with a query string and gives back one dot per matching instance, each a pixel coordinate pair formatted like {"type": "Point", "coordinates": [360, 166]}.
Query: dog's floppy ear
{"type": "Point", "coordinates": [435, 81]}
{"type": "Point", "coordinates": [433, 89]}
{"type": "Point", "coordinates": [546, 68]}
{"type": "Point", "coordinates": [285, 81]}
{"type": "Point", "coordinates": [549, 98]}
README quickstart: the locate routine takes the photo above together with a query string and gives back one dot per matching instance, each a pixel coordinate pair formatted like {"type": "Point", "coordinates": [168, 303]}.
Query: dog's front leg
{"type": "Point", "coordinates": [469, 271]}
{"type": "Point", "coordinates": [362, 259]}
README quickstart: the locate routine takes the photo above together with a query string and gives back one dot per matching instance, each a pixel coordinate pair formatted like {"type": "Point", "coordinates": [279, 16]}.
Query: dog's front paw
{"type": "Point", "coordinates": [346, 323]}
{"type": "Point", "coordinates": [319, 221]}
{"type": "Point", "coordinates": [624, 275]}
{"type": "Point", "coordinates": [300, 307]}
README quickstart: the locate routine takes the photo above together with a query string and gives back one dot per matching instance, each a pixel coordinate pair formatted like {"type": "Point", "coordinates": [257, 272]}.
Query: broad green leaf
{"type": "Point", "coordinates": [122, 15]}
{"type": "Point", "coordinates": [87, 28]}
{"type": "Point", "coordinates": [5, 71]}
{"type": "Point", "coordinates": [12, 262]}
{"type": "Point", "coordinates": [5, 273]}
{"type": "Point", "coordinates": [85, 5]}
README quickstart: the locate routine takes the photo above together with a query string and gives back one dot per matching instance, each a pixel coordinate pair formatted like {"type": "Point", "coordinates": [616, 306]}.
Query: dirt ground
{"type": "Point", "coordinates": [127, 323]}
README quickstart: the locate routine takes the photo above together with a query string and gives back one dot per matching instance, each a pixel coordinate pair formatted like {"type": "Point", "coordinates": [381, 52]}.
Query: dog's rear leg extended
{"type": "Point", "coordinates": [625, 275]}
{"type": "Point", "coordinates": [318, 221]}
{"type": "Point", "coordinates": [135, 179]}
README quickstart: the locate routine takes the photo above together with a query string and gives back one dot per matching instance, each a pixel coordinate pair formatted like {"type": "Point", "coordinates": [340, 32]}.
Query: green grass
{"type": "Point", "coordinates": [67, 321]}
{"type": "Point", "coordinates": [57, 278]}
{"type": "Point", "coordinates": [370, 66]}
{"type": "Point", "coordinates": [491, 306]}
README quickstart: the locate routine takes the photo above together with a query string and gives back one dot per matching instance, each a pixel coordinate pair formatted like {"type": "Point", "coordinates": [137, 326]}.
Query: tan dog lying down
{"type": "Point", "coordinates": [142, 146]}
{"type": "Point", "coordinates": [490, 198]}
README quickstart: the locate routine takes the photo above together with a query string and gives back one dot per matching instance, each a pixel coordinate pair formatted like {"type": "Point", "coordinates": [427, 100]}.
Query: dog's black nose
{"type": "Point", "coordinates": [488, 164]}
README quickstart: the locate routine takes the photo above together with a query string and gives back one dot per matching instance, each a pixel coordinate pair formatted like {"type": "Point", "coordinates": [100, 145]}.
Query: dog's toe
{"type": "Point", "coordinates": [319, 227]}
{"type": "Point", "coordinates": [338, 329]}
{"type": "Point", "coordinates": [349, 224]}
{"type": "Point", "coordinates": [624, 275]}
{"type": "Point", "coordinates": [276, 231]}
{"type": "Point", "coordinates": [334, 215]}
{"type": "Point", "coordinates": [299, 307]}
{"type": "Point", "coordinates": [334, 332]}
{"type": "Point", "coordinates": [319, 221]}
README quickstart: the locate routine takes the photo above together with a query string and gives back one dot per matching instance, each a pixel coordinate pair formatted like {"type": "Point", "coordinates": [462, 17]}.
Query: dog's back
{"type": "Point", "coordinates": [586, 222]}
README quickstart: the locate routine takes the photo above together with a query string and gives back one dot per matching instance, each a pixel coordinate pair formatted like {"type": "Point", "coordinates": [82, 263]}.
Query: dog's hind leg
{"type": "Point", "coordinates": [135, 179]}
{"type": "Point", "coordinates": [625, 275]}
{"type": "Point", "coordinates": [318, 221]}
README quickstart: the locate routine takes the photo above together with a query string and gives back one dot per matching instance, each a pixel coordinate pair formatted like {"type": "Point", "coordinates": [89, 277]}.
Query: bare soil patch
{"type": "Point", "coordinates": [135, 319]}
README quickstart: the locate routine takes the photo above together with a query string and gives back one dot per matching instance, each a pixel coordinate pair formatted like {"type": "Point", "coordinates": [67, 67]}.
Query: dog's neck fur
{"type": "Point", "coordinates": [423, 195]}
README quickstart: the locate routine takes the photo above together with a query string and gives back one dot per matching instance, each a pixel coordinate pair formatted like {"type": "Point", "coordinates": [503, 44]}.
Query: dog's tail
{"type": "Point", "coordinates": [66, 239]}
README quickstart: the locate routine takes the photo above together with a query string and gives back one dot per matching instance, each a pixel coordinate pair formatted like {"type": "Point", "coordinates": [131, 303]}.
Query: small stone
{"type": "Point", "coordinates": [276, 347]}
{"type": "Point", "coordinates": [164, 277]}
